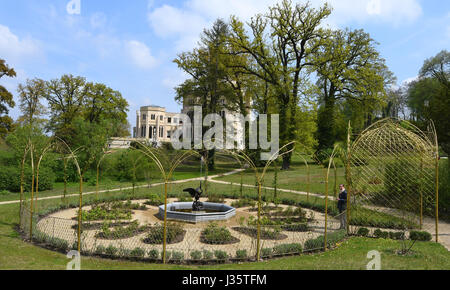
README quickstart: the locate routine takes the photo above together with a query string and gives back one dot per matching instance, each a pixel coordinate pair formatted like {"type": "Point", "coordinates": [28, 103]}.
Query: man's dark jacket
{"type": "Point", "coordinates": [342, 203]}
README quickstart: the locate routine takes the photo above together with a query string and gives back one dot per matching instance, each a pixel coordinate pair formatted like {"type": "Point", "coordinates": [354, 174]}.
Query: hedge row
{"type": "Point", "coordinates": [10, 179]}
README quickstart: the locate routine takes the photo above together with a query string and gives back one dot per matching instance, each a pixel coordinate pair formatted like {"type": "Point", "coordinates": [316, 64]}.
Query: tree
{"type": "Point", "coordinates": [395, 104]}
{"type": "Point", "coordinates": [429, 97]}
{"type": "Point", "coordinates": [349, 68]}
{"type": "Point", "coordinates": [428, 100]}
{"type": "Point", "coordinates": [65, 98]}
{"type": "Point", "coordinates": [280, 44]}
{"type": "Point", "coordinates": [104, 103]}
{"type": "Point", "coordinates": [438, 67]}
{"type": "Point", "coordinates": [6, 100]}
{"type": "Point", "coordinates": [210, 85]}
{"type": "Point", "coordinates": [73, 97]}
{"type": "Point", "coordinates": [30, 95]}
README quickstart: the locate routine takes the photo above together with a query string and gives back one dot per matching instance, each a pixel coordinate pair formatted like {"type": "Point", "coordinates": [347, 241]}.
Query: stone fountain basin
{"type": "Point", "coordinates": [216, 212]}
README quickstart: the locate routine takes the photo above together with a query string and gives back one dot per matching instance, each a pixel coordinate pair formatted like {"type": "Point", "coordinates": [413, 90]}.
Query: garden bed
{"type": "Point", "coordinates": [265, 235]}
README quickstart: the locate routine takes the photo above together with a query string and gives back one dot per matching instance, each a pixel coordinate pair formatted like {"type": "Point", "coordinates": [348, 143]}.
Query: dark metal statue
{"type": "Point", "coordinates": [195, 193]}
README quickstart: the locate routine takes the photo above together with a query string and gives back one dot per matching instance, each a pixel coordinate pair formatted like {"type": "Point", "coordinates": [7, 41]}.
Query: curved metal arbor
{"type": "Point", "coordinates": [392, 170]}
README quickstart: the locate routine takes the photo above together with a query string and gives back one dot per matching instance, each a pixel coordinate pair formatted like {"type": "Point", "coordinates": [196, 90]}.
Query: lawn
{"type": "Point", "coordinates": [351, 254]}
{"type": "Point", "coordinates": [296, 178]}
{"type": "Point", "coordinates": [185, 171]}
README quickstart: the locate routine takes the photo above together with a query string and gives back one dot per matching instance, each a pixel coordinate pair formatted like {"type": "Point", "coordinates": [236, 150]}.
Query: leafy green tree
{"type": "Point", "coordinates": [65, 98]}
{"type": "Point", "coordinates": [438, 67]}
{"type": "Point", "coordinates": [6, 100]}
{"type": "Point", "coordinates": [349, 68]}
{"type": "Point", "coordinates": [73, 97]}
{"type": "Point", "coordinates": [104, 103]}
{"type": "Point", "coordinates": [90, 140]}
{"type": "Point", "coordinates": [279, 46]}
{"type": "Point", "coordinates": [429, 97]}
{"type": "Point", "coordinates": [210, 85]}
{"type": "Point", "coordinates": [30, 95]}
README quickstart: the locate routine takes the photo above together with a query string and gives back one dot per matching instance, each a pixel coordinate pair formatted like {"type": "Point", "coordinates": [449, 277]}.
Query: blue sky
{"type": "Point", "coordinates": [130, 45]}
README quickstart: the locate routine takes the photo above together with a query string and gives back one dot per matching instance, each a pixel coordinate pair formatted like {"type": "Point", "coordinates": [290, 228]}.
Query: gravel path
{"type": "Point", "coordinates": [428, 223]}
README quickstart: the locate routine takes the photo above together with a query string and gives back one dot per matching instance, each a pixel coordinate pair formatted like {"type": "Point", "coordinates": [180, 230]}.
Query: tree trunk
{"type": "Point", "coordinates": [326, 125]}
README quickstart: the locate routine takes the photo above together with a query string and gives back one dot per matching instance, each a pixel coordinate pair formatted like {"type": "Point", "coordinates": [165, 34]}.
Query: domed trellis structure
{"type": "Point", "coordinates": [392, 169]}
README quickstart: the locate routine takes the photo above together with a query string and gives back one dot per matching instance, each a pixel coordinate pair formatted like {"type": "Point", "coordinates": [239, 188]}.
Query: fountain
{"type": "Point", "coordinates": [197, 211]}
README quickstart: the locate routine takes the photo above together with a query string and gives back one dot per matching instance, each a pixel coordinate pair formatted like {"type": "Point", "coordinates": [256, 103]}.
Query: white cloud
{"type": "Point", "coordinates": [410, 80]}
{"type": "Point", "coordinates": [174, 78]}
{"type": "Point", "coordinates": [183, 25]}
{"type": "Point", "coordinates": [398, 12]}
{"type": "Point", "coordinates": [186, 23]}
{"type": "Point", "coordinates": [139, 54]}
{"type": "Point", "coordinates": [14, 49]}
{"type": "Point", "coordinates": [98, 20]}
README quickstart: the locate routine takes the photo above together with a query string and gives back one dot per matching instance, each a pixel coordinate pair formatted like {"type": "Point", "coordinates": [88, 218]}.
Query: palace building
{"type": "Point", "coordinates": [154, 123]}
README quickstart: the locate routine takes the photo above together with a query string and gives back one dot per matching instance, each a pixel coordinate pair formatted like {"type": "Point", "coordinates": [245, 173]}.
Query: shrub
{"type": "Point", "coordinates": [220, 255]}
{"type": "Point", "coordinates": [296, 227]}
{"type": "Point", "coordinates": [196, 255]}
{"type": "Point", "coordinates": [153, 254]}
{"type": "Point", "coordinates": [4, 192]}
{"type": "Point", "coordinates": [168, 255]}
{"type": "Point", "coordinates": [213, 234]}
{"type": "Point", "coordinates": [266, 252]}
{"type": "Point", "coordinates": [380, 234]}
{"type": "Point", "coordinates": [60, 244]}
{"type": "Point", "coordinates": [175, 233]}
{"type": "Point", "coordinates": [137, 252]}
{"type": "Point", "coordinates": [363, 232]}
{"type": "Point", "coordinates": [10, 179]}
{"type": "Point", "coordinates": [123, 252]}
{"type": "Point", "coordinates": [241, 254]}
{"type": "Point", "coordinates": [154, 200]}
{"type": "Point", "coordinates": [314, 244]}
{"type": "Point", "coordinates": [207, 255]}
{"type": "Point", "coordinates": [106, 211]}
{"type": "Point", "coordinates": [318, 243]}
{"type": "Point", "coordinates": [243, 203]}
{"type": "Point", "coordinates": [120, 231]}
{"type": "Point", "coordinates": [100, 250]}
{"type": "Point", "coordinates": [420, 236]}
{"type": "Point", "coordinates": [111, 250]}
{"type": "Point", "coordinates": [216, 198]}
{"type": "Point", "coordinates": [177, 256]}
{"type": "Point", "coordinates": [288, 249]}
{"type": "Point", "coordinates": [397, 235]}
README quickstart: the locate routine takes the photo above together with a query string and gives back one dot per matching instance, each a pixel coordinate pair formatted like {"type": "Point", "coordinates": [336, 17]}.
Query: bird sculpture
{"type": "Point", "coordinates": [195, 193]}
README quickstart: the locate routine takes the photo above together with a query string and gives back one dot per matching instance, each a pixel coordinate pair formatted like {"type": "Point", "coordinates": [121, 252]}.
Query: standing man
{"type": "Point", "coordinates": [342, 207]}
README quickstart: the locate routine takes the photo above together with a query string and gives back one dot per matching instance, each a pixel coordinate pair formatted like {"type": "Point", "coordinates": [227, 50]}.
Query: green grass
{"type": "Point", "coordinates": [351, 254]}
{"type": "Point", "coordinates": [185, 171]}
{"type": "Point", "coordinates": [295, 178]}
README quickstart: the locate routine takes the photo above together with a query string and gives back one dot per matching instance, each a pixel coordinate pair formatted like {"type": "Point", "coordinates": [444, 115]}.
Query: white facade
{"type": "Point", "coordinates": [155, 124]}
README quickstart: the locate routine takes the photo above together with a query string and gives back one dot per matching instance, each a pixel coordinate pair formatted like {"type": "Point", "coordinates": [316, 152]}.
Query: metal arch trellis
{"type": "Point", "coordinates": [153, 154]}
{"type": "Point", "coordinates": [391, 167]}
{"type": "Point", "coordinates": [259, 175]}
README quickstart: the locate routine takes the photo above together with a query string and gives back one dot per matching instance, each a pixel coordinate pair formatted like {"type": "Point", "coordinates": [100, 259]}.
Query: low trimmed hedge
{"type": "Point", "coordinates": [285, 249]}
{"type": "Point", "coordinates": [319, 242]}
{"type": "Point", "coordinates": [420, 236]}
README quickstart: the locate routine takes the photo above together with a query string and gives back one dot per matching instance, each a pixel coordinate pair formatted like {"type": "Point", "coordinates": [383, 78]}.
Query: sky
{"type": "Point", "coordinates": [130, 45]}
